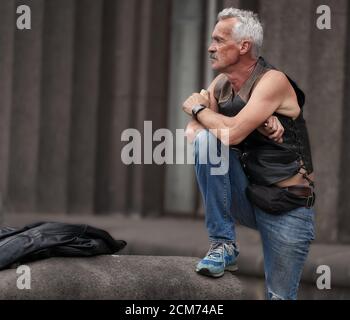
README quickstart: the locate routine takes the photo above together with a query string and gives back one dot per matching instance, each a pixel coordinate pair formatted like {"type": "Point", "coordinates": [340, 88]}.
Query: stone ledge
{"type": "Point", "coordinates": [187, 237]}
{"type": "Point", "coordinates": [119, 278]}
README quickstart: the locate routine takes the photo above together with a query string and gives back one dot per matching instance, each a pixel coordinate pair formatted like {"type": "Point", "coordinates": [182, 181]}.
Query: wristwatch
{"type": "Point", "coordinates": [197, 109]}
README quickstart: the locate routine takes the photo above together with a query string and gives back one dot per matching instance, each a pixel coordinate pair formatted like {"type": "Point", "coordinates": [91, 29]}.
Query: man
{"type": "Point", "coordinates": [269, 184]}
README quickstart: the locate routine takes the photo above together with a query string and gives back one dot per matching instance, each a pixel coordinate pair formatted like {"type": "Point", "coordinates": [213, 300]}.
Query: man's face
{"type": "Point", "coordinates": [224, 50]}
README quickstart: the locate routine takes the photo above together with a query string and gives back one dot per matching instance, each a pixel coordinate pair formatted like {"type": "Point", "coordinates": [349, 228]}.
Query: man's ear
{"type": "Point", "coordinates": [246, 46]}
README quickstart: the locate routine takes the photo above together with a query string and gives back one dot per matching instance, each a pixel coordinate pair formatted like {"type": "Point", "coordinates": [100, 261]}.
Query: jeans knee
{"type": "Point", "coordinates": [202, 137]}
{"type": "Point", "coordinates": [205, 142]}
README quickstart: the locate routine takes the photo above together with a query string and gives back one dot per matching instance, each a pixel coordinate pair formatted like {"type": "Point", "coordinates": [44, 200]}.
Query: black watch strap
{"type": "Point", "coordinates": [197, 109]}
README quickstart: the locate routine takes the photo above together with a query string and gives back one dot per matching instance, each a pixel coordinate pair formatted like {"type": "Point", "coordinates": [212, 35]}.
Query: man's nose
{"type": "Point", "coordinates": [211, 49]}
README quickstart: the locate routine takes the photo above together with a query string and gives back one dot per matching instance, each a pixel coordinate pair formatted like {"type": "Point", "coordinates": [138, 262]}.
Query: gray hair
{"type": "Point", "coordinates": [248, 27]}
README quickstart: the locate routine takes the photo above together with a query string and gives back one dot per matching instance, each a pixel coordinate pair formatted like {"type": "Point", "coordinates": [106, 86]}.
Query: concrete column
{"type": "Point", "coordinates": [344, 174]}
{"type": "Point", "coordinates": [230, 3]}
{"type": "Point", "coordinates": [271, 15]}
{"type": "Point", "coordinates": [7, 29]}
{"type": "Point", "coordinates": [141, 89]}
{"type": "Point", "coordinates": [105, 103]}
{"type": "Point", "coordinates": [281, 27]}
{"type": "Point", "coordinates": [133, 89]}
{"type": "Point", "coordinates": [327, 63]}
{"type": "Point", "coordinates": [252, 5]}
{"type": "Point", "coordinates": [127, 48]}
{"type": "Point", "coordinates": [25, 114]}
{"type": "Point", "coordinates": [117, 96]}
{"type": "Point", "coordinates": [147, 188]}
{"type": "Point", "coordinates": [55, 116]}
{"type": "Point", "coordinates": [212, 10]}
{"type": "Point", "coordinates": [83, 131]}
{"type": "Point", "coordinates": [185, 70]}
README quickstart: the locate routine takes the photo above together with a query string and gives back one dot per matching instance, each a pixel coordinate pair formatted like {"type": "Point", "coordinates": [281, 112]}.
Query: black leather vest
{"type": "Point", "coordinates": [267, 162]}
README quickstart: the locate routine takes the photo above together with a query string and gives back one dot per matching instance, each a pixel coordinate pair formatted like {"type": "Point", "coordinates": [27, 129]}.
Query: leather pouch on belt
{"type": "Point", "coordinates": [274, 200]}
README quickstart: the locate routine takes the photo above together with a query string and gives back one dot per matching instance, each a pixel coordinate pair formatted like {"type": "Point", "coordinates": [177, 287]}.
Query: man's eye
{"type": "Point", "coordinates": [217, 40]}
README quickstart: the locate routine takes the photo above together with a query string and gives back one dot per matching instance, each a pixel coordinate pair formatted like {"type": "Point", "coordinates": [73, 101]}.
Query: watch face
{"type": "Point", "coordinates": [196, 109]}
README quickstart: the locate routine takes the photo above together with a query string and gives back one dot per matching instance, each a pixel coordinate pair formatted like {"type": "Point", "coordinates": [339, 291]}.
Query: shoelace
{"type": "Point", "coordinates": [217, 250]}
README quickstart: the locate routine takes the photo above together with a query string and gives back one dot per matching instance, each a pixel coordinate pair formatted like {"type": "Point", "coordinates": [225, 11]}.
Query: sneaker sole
{"type": "Point", "coordinates": [232, 268]}
{"type": "Point", "coordinates": [206, 272]}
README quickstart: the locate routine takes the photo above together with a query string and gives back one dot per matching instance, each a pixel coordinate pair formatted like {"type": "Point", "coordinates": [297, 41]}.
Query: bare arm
{"type": "Point", "coordinates": [194, 126]}
{"type": "Point", "coordinates": [265, 100]}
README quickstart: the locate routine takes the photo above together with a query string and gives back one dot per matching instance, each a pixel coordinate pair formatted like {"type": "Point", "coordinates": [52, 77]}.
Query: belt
{"type": "Point", "coordinates": [303, 192]}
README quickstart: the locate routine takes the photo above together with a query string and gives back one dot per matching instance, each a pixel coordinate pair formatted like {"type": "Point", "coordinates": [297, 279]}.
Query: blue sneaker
{"type": "Point", "coordinates": [220, 257]}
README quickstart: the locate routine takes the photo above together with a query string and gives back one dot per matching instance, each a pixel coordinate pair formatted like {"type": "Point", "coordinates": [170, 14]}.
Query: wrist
{"type": "Point", "coordinates": [197, 109]}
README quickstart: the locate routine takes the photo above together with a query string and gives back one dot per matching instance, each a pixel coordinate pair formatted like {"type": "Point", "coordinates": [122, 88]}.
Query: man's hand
{"type": "Point", "coordinates": [195, 99]}
{"type": "Point", "coordinates": [273, 129]}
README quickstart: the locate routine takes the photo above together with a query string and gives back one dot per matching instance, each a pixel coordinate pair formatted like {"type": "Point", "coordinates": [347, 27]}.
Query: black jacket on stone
{"type": "Point", "coordinates": [53, 239]}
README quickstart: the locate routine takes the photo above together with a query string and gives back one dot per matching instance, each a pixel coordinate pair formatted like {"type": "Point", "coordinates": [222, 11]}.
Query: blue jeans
{"type": "Point", "coordinates": [285, 238]}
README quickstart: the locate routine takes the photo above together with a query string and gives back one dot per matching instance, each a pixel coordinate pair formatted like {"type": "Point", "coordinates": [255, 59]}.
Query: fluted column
{"type": "Point", "coordinates": [83, 128]}
{"type": "Point", "coordinates": [118, 75]}
{"type": "Point", "coordinates": [230, 3]}
{"type": "Point", "coordinates": [186, 48]}
{"type": "Point", "coordinates": [327, 63]}
{"type": "Point", "coordinates": [25, 113]}
{"type": "Point", "coordinates": [7, 33]}
{"type": "Point", "coordinates": [56, 103]}
{"type": "Point", "coordinates": [150, 99]}
{"type": "Point", "coordinates": [344, 171]}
